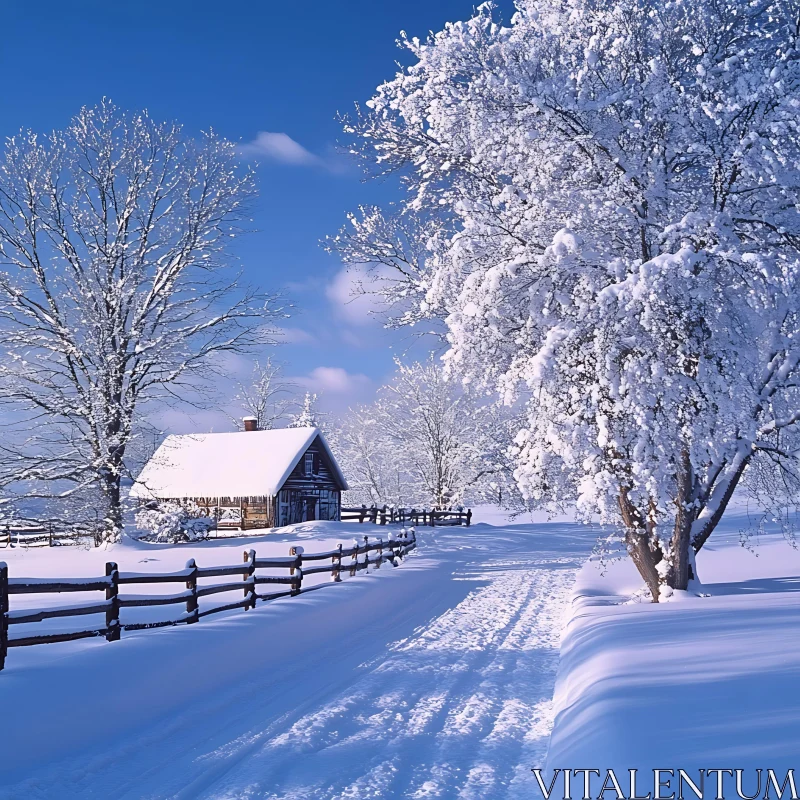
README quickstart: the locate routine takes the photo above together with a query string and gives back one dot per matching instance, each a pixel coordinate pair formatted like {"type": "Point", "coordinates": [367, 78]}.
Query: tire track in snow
{"type": "Point", "coordinates": [465, 709]}
{"type": "Point", "coordinates": [493, 721]}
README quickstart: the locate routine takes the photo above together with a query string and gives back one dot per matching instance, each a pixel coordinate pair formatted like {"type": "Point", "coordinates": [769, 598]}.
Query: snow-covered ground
{"type": "Point", "coordinates": [433, 679]}
{"type": "Point", "coordinates": [701, 683]}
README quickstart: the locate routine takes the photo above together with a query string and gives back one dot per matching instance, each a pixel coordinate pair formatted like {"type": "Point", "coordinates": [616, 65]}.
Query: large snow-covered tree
{"type": "Point", "coordinates": [114, 291]}
{"type": "Point", "coordinates": [616, 190]}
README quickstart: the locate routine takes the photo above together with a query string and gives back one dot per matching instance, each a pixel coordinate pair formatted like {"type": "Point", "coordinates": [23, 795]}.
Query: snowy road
{"type": "Point", "coordinates": [443, 691]}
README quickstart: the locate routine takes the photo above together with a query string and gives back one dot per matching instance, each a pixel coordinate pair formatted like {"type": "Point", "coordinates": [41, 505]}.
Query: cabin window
{"type": "Point", "coordinates": [309, 464]}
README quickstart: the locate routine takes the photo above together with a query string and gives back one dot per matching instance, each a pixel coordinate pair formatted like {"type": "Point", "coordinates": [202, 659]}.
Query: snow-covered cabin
{"type": "Point", "coordinates": [248, 479]}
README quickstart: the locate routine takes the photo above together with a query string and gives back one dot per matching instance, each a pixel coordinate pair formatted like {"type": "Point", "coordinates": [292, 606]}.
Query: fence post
{"type": "Point", "coordinates": [192, 606]}
{"type": "Point", "coordinates": [337, 565]}
{"type": "Point", "coordinates": [296, 585]}
{"type": "Point", "coordinates": [3, 613]}
{"type": "Point", "coordinates": [366, 552]}
{"type": "Point", "coordinates": [250, 590]}
{"type": "Point", "coordinates": [380, 553]}
{"type": "Point", "coordinates": [354, 564]}
{"type": "Point", "coordinates": [112, 595]}
{"type": "Point", "coordinates": [50, 529]}
{"type": "Point", "coordinates": [469, 516]}
{"type": "Point", "coordinates": [432, 517]}
{"type": "Point", "coordinates": [383, 515]}
{"type": "Point", "coordinates": [363, 513]}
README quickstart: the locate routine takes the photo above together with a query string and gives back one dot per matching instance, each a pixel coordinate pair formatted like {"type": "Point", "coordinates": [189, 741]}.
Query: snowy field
{"type": "Point", "coordinates": [433, 679]}
{"type": "Point", "coordinates": [703, 682]}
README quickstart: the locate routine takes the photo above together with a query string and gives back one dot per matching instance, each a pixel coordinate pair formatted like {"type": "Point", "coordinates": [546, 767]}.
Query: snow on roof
{"type": "Point", "coordinates": [240, 464]}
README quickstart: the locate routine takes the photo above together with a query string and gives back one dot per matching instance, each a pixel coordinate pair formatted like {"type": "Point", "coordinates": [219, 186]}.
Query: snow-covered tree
{"type": "Point", "coordinates": [617, 187]}
{"type": "Point", "coordinates": [424, 441]}
{"type": "Point", "coordinates": [430, 428]}
{"type": "Point", "coordinates": [307, 416]}
{"type": "Point", "coordinates": [113, 291]}
{"type": "Point", "coordinates": [265, 396]}
{"type": "Point", "coordinates": [371, 460]}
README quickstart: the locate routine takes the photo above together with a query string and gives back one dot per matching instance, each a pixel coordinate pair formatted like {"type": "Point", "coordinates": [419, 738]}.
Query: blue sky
{"type": "Point", "coordinates": [244, 69]}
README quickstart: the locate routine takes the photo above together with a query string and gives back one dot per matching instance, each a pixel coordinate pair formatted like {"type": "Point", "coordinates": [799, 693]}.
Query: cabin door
{"type": "Point", "coordinates": [297, 507]}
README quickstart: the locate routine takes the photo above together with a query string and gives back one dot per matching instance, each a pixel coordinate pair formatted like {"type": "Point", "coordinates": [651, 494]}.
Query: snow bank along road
{"type": "Point", "coordinates": [708, 682]}
{"type": "Point", "coordinates": [433, 679]}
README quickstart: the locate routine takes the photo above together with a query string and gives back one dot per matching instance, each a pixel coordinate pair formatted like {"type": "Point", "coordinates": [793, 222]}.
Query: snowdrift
{"type": "Point", "coordinates": [709, 682]}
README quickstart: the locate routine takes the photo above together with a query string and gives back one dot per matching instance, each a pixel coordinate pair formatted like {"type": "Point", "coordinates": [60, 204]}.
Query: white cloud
{"type": "Point", "coordinates": [191, 420]}
{"type": "Point", "coordinates": [279, 147]}
{"type": "Point", "coordinates": [337, 388]}
{"type": "Point", "coordinates": [335, 380]}
{"type": "Point", "coordinates": [348, 303]}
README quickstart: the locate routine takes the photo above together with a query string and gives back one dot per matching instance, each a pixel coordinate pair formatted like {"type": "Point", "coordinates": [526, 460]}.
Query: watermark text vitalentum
{"type": "Point", "coordinates": [668, 784]}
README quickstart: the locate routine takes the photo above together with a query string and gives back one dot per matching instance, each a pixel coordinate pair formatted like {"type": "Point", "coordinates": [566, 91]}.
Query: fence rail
{"type": "Point", "coordinates": [291, 585]}
{"type": "Point", "coordinates": [404, 516]}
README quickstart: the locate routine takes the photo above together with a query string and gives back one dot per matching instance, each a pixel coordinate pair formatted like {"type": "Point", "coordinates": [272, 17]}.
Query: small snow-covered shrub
{"type": "Point", "coordinates": [174, 522]}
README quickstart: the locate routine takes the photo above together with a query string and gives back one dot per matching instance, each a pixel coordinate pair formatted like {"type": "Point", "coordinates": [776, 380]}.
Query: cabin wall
{"type": "Point", "coordinates": [312, 495]}
{"type": "Point", "coordinates": [259, 512]}
{"type": "Point", "coordinates": [255, 511]}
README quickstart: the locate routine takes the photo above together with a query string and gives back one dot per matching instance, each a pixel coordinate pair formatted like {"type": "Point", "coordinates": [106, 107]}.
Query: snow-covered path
{"type": "Point", "coordinates": [445, 693]}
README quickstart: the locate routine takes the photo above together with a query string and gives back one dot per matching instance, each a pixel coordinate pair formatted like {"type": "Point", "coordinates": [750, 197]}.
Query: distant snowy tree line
{"type": "Point", "coordinates": [423, 442]}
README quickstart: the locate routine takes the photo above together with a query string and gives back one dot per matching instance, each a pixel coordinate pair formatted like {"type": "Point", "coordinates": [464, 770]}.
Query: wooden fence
{"type": "Point", "coordinates": [110, 584]}
{"type": "Point", "coordinates": [43, 536]}
{"type": "Point", "coordinates": [403, 516]}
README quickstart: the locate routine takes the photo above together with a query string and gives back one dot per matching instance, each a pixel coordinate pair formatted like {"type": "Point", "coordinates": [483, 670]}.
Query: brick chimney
{"type": "Point", "coordinates": [250, 423]}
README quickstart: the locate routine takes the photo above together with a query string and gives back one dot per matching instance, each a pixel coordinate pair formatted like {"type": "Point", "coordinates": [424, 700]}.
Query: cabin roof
{"type": "Point", "coordinates": [240, 464]}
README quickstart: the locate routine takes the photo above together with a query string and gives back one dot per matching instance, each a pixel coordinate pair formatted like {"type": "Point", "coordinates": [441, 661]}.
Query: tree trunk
{"type": "Point", "coordinates": [678, 575]}
{"type": "Point", "coordinates": [112, 521]}
{"type": "Point", "coordinates": [637, 540]}
{"type": "Point", "coordinates": [111, 477]}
